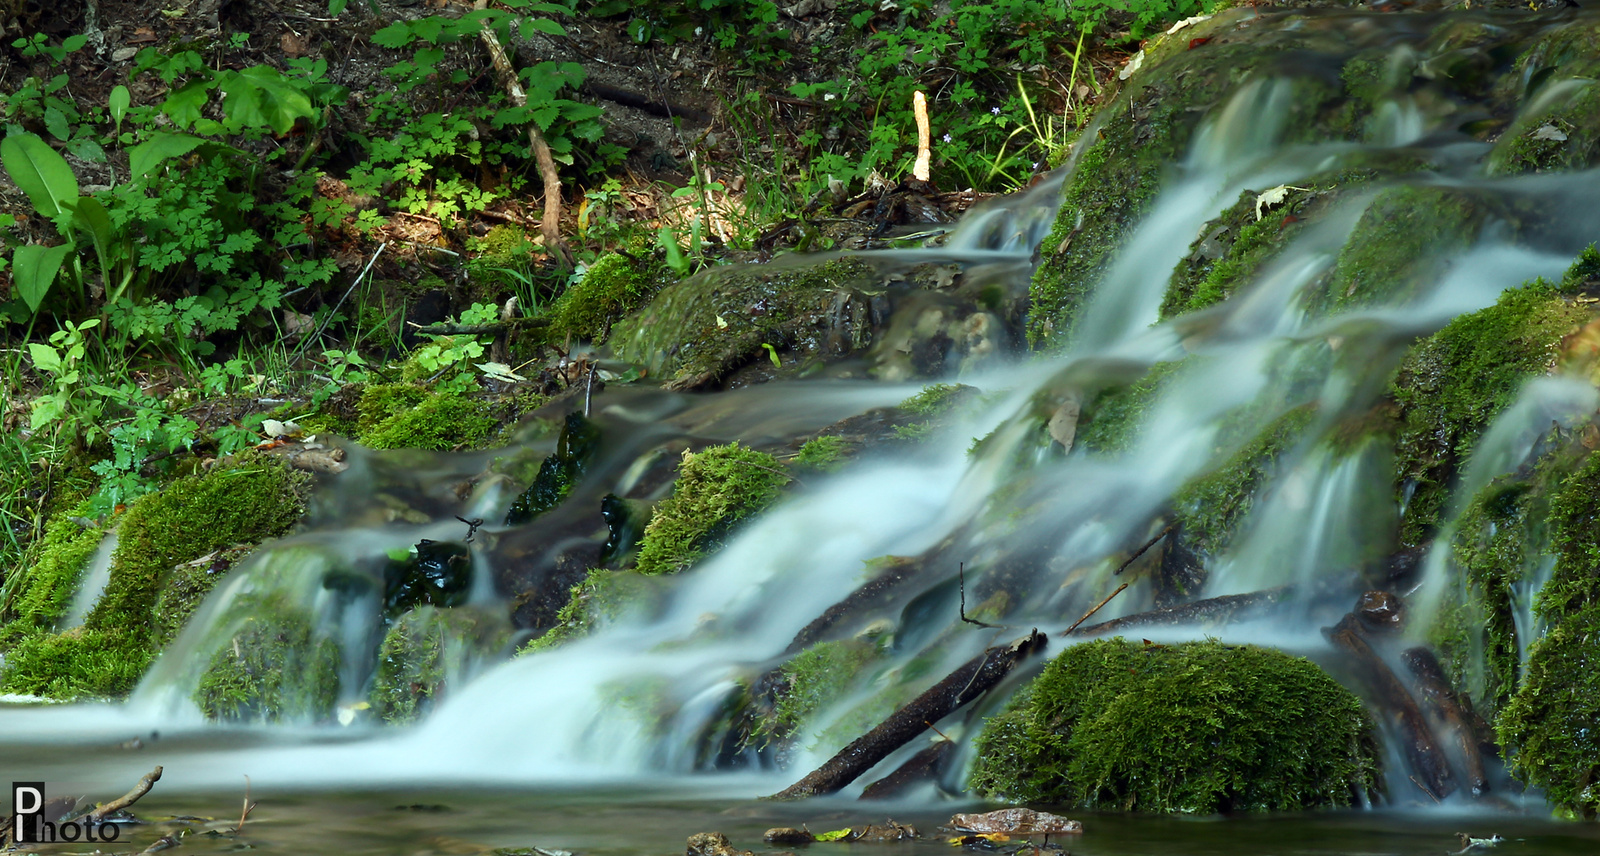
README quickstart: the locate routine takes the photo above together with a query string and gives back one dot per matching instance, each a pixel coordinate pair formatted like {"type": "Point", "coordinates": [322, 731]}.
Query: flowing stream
{"type": "Point", "coordinates": [548, 749]}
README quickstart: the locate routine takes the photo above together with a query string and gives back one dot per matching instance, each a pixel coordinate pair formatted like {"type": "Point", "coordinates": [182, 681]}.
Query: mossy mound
{"type": "Point", "coordinates": [409, 416]}
{"type": "Point", "coordinates": [1557, 72]}
{"type": "Point", "coordinates": [423, 651]}
{"type": "Point", "coordinates": [245, 501]}
{"type": "Point", "coordinates": [46, 587]}
{"type": "Point", "coordinates": [812, 680]}
{"type": "Point", "coordinates": [1553, 723]}
{"type": "Point", "coordinates": [716, 488]}
{"type": "Point", "coordinates": [610, 288]}
{"type": "Point", "coordinates": [696, 332]}
{"type": "Point", "coordinates": [273, 667]}
{"type": "Point", "coordinates": [1199, 727]}
{"type": "Point", "coordinates": [1452, 384]}
{"type": "Point", "coordinates": [1111, 421]}
{"type": "Point", "coordinates": [1211, 507]}
{"type": "Point", "coordinates": [603, 595]}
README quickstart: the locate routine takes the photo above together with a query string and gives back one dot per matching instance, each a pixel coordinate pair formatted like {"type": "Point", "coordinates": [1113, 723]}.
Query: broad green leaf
{"type": "Point", "coordinates": [393, 36]}
{"type": "Point", "coordinates": [183, 106]}
{"type": "Point", "coordinates": [834, 835]}
{"type": "Point", "coordinates": [56, 123]}
{"type": "Point", "coordinates": [336, 6]}
{"type": "Point", "coordinates": [261, 97]}
{"type": "Point", "coordinates": [39, 171]}
{"type": "Point", "coordinates": [91, 216]}
{"type": "Point", "coordinates": [45, 357]}
{"type": "Point", "coordinates": [72, 43]}
{"type": "Point", "coordinates": [117, 102]}
{"type": "Point", "coordinates": [146, 156]}
{"type": "Point", "coordinates": [34, 268]}
{"type": "Point", "coordinates": [542, 25]}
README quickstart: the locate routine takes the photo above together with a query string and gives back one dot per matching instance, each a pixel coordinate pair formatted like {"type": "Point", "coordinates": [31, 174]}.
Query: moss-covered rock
{"type": "Point", "coordinates": [1198, 727]}
{"type": "Point", "coordinates": [249, 499]}
{"type": "Point", "coordinates": [824, 453]}
{"type": "Point", "coordinates": [696, 332]}
{"type": "Point", "coordinates": [409, 416]}
{"type": "Point", "coordinates": [716, 488]}
{"type": "Point", "coordinates": [610, 288]}
{"type": "Point", "coordinates": [810, 681]}
{"type": "Point", "coordinates": [423, 650]}
{"type": "Point", "coordinates": [603, 595]}
{"type": "Point", "coordinates": [1111, 420]}
{"type": "Point", "coordinates": [273, 667]}
{"type": "Point", "coordinates": [1551, 724]}
{"type": "Point", "coordinates": [1555, 76]}
{"type": "Point", "coordinates": [1452, 384]}
{"type": "Point", "coordinates": [46, 587]}
{"type": "Point", "coordinates": [1211, 507]}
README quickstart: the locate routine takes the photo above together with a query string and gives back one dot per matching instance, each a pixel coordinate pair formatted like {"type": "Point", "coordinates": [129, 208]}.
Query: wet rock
{"type": "Point", "coordinates": [439, 573]}
{"type": "Point", "coordinates": [924, 767]}
{"type": "Point", "coordinates": [273, 666]}
{"type": "Point", "coordinates": [1381, 612]}
{"type": "Point", "coordinates": [787, 836]}
{"type": "Point", "coordinates": [712, 844]}
{"type": "Point", "coordinates": [425, 650]}
{"type": "Point", "coordinates": [577, 446]}
{"type": "Point", "coordinates": [1016, 821]}
{"type": "Point", "coordinates": [625, 524]}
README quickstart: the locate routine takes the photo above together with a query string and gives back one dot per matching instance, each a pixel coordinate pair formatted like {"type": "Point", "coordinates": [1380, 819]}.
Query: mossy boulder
{"type": "Point", "coordinates": [1553, 724]}
{"type": "Point", "coordinates": [1211, 507]}
{"type": "Point", "coordinates": [1198, 727]}
{"type": "Point", "coordinates": [244, 501]}
{"type": "Point", "coordinates": [46, 588]}
{"type": "Point", "coordinates": [427, 648]}
{"type": "Point", "coordinates": [1452, 384]}
{"type": "Point", "coordinates": [610, 288]}
{"type": "Point", "coordinates": [1557, 73]}
{"type": "Point", "coordinates": [273, 666]}
{"type": "Point", "coordinates": [716, 488]}
{"type": "Point", "coordinates": [698, 331]}
{"type": "Point", "coordinates": [810, 682]}
{"type": "Point", "coordinates": [602, 595]}
{"type": "Point", "coordinates": [410, 416]}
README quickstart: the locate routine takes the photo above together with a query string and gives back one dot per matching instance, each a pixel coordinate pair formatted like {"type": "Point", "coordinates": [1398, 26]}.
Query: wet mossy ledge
{"type": "Point", "coordinates": [235, 504]}
{"type": "Point", "coordinates": [1196, 728]}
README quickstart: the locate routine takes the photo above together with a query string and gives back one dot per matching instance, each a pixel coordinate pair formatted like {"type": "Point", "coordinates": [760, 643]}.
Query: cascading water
{"type": "Point", "coordinates": [647, 696]}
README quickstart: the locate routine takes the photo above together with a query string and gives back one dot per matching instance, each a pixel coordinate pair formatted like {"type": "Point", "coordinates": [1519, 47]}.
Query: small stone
{"type": "Point", "coordinates": [712, 844]}
{"type": "Point", "coordinates": [1016, 821]}
{"type": "Point", "coordinates": [124, 54]}
{"type": "Point", "coordinates": [787, 835]}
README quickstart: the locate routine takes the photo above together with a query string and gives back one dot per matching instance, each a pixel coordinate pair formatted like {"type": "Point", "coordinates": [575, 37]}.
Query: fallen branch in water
{"type": "Point", "coordinates": [1142, 550]}
{"type": "Point", "coordinates": [127, 799]}
{"type": "Point", "coordinates": [1447, 707]}
{"type": "Point", "coordinates": [248, 805]}
{"type": "Point", "coordinates": [1093, 610]}
{"type": "Point", "coordinates": [1226, 608]}
{"type": "Point", "coordinates": [973, 679]}
{"type": "Point", "coordinates": [160, 844]}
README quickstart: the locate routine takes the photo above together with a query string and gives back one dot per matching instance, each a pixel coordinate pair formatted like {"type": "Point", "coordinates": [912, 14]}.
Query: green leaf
{"type": "Point", "coordinates": [34, 268]}
{"type": "Point", "coordinates": [183, 106]}
{"type": "Point", "coordinates": [395, 35]}
{"type": "Point", "coordinates": [39, 171]}
{"type": "Point", "coordinates": [56, 123]}
{"type": "Point", "coordinates": [91, 216]}
{"type": "Point", "coordinates": [543, 25]}
{"type": "Point", "coordinates": [146, 156]}
{"type": "Point", "coordinates": [45, 357]}
{"type": "Point", "coordinates": [336, 6]}
{"type": "Point", "coordinates": [72, 43]}
{"type": "Point", "coordinates": [835, 835]}
{"type": "Point", "coordinates": [117, 102]}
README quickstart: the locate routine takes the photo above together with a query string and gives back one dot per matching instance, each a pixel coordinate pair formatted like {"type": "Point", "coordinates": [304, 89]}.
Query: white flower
{"type": "Point", "coordinates": [947, 138]}
{"type": "Point", "coordinates": [995, 110]}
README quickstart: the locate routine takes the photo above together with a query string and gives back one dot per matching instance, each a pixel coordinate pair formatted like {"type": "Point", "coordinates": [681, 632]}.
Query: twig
{"type": "Point", "coordinates": [588, 391]}
{"type": "Point", "coordinates": [1424, 789]}
{"type": "Point", "coordinates": [493, 327]}
{"type": "Point", "coordinates": [1096, 608]}
{"type": "Point", "coordinates": [919, 106]}
{"type": "Point", "coordinates": [248, 807]}
{"type": "Point", "coordinates": [1147, 545]}
{"type": "Point", "coordinates": [127, 799]}
{"type": "Point", "coordinates": [328, 320]}
{"type": "Point", "coordinates": [162, 843]}
{"type": "Point", "coordinates": [961, 574]}
{"type": "Point", "coordinates": [550, 226]}
{"type": "Point", "coordinates": [472, 526]}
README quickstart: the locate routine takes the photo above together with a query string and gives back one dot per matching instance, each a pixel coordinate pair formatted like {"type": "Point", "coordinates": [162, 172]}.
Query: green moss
{"type": "Point", "coordinates": [1403, 239]}
{"type": "Point", "coordinates": [424, 649]}
{"type": "Point", "coordinates": [1453, 383]}
{"type": "Point", "coordinates": [1256, 242]}
{"type": "Point", "coordinates": [1211, 507]}
{"type": "Point", "coordinates": [603, 595]}
{"type": "Point", "coordinates": [248, 500]}
{"type": "Point", "coordinates": [274, 667]}
{"type": "Point", "coordinates": [934, 399]}
{"type": "Point", "coordinates": [186, 587]}
{"type": "Point", "coordinates": [1564, 56]}
{"type": "Point", "coordinates": [697, 331]}
{"type": "Point", "coordinates": [812, 680]}
{"type": "Point", "coordinates": [1584, 273]}
{"type": "Point", "coordinates": [47, 586]}
{"type": "Point", "coordinates": [405, 416]}
{"type": "Point", "coordinates": [824, 454]}
{"type": "Point", "coordinates": [1114, 416]}
{"type": "Point", "coordinates": [1551, 722]}
{"type": "Point", "coordinates": [716, 488]}
{"type": "Point", "coordinates": [612, 287]}
{"type": "Point", "coordinates": [1198, 727]}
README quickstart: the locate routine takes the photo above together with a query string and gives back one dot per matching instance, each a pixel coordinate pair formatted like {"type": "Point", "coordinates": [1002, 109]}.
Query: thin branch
{"type": "Point", "coordinates": [1147, 545]}
{"type": "Point", "coordinates": [248, 807]}
{"type": "Point", "coordinates": [491, 328]}
{"type": "Point", "coordinates": [961, 574]}
{"type": "Point", "coordinates": [127, 799]}
{"type": "Point", "coordinates": [328, 320]}
{"type": "Point", "coordinates": [1096, 608]}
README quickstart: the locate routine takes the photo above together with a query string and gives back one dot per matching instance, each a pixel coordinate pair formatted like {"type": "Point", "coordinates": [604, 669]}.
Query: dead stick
{"type": "Point", "coordinates": [1225, 608]}
{"type": "Point", "coordinates": [127, 799]}
{"type": "Point", "coordinates": [919, 108]}
{"type": "Point", "coordinates": [1147, 545]}
{"type": "Point", "coordinates": [162, 843]}
{"type": "Point", "coordinates": [961, 571]}
{"type": "Point", "coordinates": [550, 226]}
{"type": "Point", "coordinates": [249, 806]}
{"type": "Point", "coordinates": [1096, 608]}
{"type": "Point", "coordinates": [493, 327]}
{"type": "Point", "coordinates": [973, 679]}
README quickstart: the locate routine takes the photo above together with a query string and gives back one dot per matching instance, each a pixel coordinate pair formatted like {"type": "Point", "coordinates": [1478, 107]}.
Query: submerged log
{"type": "Point", "coordinates": [925, 766]}
{"type": "Point", "coordinates": [1421, 750]}
{"type": "Point", "coordinates": [973, 679]}
{"type": "Point", "coordinates": [876, 592]}
{"type": "Point", "coordinates": [1467, 727]}
{"type": "Point", "coordinates": [1231, 607]}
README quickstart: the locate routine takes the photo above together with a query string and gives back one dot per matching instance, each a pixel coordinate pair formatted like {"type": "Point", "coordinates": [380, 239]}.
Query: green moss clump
{"type": "Point", "coordinates": [1584, 272]}
{"type": "Point", "coordinates": [422, 650]}
{"type": "Point", "coordinates": [696, 332]}
{"type": "Point", "coordinates": [934, 399]}
{"type": "Point", "coordinates": [716, 488]}
{"type": "Point", "coordinates": [275, 667]}
{"type": "Point", "coordinates": [612, 287]}
{"type": "Point", "coordinates": [824, 453]}
{"type": "Point", "coordinates": [48, 585]}
{"type": "Point", "coordinates": [253, 498]}
{"type": "Point", "coordinates": [603, 595]}
{"type": "Point", "coordinates": [1256, 241]}
{"type": "Point", "coordinates": [1551, 722]}
{"type": "Point", "coordinates": [811, 681]}
{"type": "Point", "coordinates": [404, 416]}
{"type": "Point", "coordinates": [1211, 507]}
{"type": "Point", "coordinates": [1452, 384]}
{"type": "Point", "coordinates": [1111, 421]}
{"type": "Point", "coordinates": [1198, 727]}
{"type": "Point", "coordinates": [1401, 241]}
{"type": "Point", "coordinates": [186, 587]}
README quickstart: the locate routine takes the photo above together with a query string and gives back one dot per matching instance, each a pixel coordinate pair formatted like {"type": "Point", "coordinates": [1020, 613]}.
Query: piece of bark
{"type": "Point", "coordinates": [1016, 821]}
{"type": "Point", "coordinates": [127, 799]}
{"type": "Point", "coordinates": [973, 679]}
{"type": "Point", "coordinates": [1230, 607]}
{"type": "Point", "coordinates": [1441, 701]}
{"type": "Point", "coordinates": [550, 226]}
{"type": "Point", "coordinates": [925, 766]}
{"type": "Point", "coordinates": [1421, 749]}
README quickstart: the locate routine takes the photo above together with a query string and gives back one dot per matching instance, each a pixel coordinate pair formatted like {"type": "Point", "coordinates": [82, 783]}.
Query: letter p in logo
{"type": "Point", "coordinates": [27, 801]}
